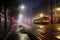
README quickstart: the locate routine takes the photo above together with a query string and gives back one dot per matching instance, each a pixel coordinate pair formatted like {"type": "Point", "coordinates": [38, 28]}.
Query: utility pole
{"type": "Point", "coordinates": [51, 12]}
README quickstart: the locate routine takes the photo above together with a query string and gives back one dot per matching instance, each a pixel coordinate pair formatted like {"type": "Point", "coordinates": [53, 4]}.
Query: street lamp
{"type": "Point", "coordinates": [21, 10]}
{"type": "Point", "coordinates": [41, 15]}
{"type": "Point", "coordinates": [22, 7]}
{"type": "Point", "coordinates": [57, 9]}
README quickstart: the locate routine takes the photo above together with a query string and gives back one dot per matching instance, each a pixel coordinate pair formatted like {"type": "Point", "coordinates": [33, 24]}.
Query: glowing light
{"type": "Point", "coordinates": [57, 9]}
{"type": "Point", "coordinates": [42, 27]}
{"type": "Point", "coordinates": [12, 18]}
{"type": "Point", "coordinates": [58, 36]}
{"type": "Point", "coordinates": [20, 18]}
{"type": "Point", "coordinates": [22, 7]}
{"type": "Point", "coordinates": [41, 15]}
{"type": "Point", "coordinates": [58, 29]}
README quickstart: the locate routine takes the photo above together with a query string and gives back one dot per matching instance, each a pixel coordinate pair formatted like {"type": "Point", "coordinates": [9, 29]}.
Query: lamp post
{"type": "Point", "coordinates": [41, 15]}
{"type": "Point", "coordinates": [51, 12]}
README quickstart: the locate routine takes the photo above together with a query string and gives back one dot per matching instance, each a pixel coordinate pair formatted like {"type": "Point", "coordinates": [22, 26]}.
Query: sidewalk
{"type": "Point", "coordinates": [23, 36]}
{"type": "Point", "coordinates": [17, 36]}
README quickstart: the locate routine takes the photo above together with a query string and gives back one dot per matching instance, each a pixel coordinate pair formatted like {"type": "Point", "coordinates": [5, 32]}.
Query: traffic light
{"type": "Point", "coordinates": [12, 18]}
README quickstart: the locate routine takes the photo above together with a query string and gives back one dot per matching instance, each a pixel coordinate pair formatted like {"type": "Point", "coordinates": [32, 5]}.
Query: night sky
{"type": "Point", "coordinates": [29, 4]}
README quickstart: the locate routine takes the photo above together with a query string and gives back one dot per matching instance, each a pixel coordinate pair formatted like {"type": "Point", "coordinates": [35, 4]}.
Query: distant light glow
{"type": "Point", "coordinates": [58, 29]}
{"type": "Point", "coordinates": [58, 36]}
{"type": "Point", "coordinates": [58, 9]}
{"type": "Point", "coordinates": [20, 18]}
{"type": "Point", "coordinates": [41, 15]}
{"type": "Point", "coordinates": [12, 18]}
{"type": "Point", "coordinates": [41, 26]}
{"type": "Point", "coordinates": [22, 7]}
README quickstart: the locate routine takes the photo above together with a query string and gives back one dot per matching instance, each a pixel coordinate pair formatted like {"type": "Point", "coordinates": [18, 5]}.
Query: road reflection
{"type": "Point", "coordinates": [23, 37]}
{"type": "Point", "coordinates": [46, 32]}
{"type": "Point", "coordinates": [22, 33]}
{"type": "Point", "coordinates": [38, 32]}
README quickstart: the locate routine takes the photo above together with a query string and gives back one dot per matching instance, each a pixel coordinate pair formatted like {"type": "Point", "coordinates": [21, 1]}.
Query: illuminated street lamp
{"type": "Point", "coordinates": [57, 9]}
{"type": "Point", "coordinates": [22, 7]}
{"type": "Point", "coordinates": [41, 15]}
